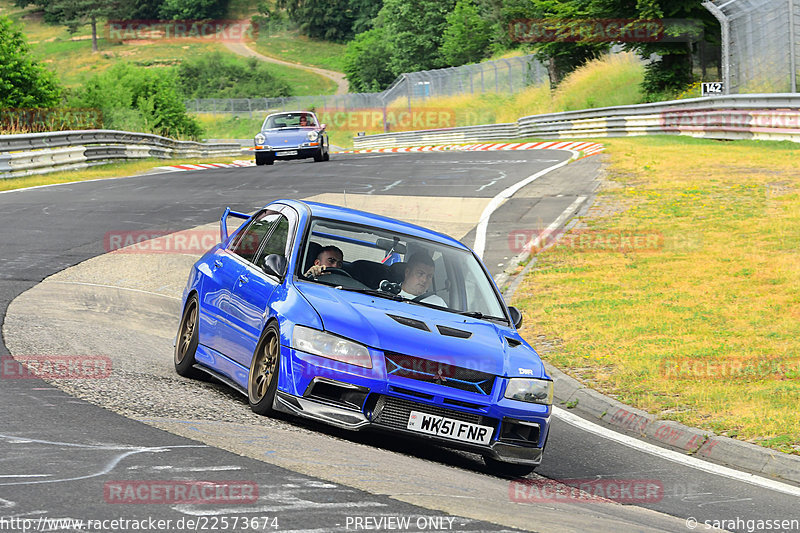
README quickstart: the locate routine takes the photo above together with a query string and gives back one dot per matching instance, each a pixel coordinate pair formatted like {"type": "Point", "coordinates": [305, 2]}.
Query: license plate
{"type": "Point", "coordinates": [286, 152]}
{"type": "Point", "coordinates": [449, 428]}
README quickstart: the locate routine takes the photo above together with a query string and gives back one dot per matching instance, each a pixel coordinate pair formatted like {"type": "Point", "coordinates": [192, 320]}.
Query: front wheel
{"type": "Point", "coordinates": [186, 343]}
{"type": "Point", "coordinates": [262, 384]}
{"type": "Point", "coordinates": [264, 159]}
{"type": "Point", "coordinates": [507, 469]}
{"type": "Point", "coordinates": [320, 155]}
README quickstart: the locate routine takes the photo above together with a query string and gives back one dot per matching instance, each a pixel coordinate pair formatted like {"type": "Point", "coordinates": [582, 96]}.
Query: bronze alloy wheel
{"type": "Point", "coordinates": [263, 381]}
{"type": "Point", "coordinates": [187, 340]}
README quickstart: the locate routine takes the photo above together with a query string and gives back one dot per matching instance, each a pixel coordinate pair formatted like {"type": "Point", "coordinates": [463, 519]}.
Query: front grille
{"type": "Point", "coordinates": [457, 377]}
{"type": "Point", "coordinates": [394, 413]}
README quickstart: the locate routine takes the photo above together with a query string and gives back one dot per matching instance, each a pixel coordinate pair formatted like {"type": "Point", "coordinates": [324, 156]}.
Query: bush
{"type": "Point", "coordinates": [216, 76]}
{"type": "Point", "coordinates": [139, 99]}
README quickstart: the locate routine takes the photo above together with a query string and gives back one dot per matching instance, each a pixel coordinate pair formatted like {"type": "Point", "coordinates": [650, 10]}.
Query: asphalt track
{"type": "Point", "coordinates": [57, 451]}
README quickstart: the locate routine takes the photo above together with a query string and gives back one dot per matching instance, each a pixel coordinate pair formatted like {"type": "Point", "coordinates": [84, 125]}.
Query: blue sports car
{"type": "Point", "coordinates": [292, 135]}
{"type": "Point", "coordinates": [365, 322]}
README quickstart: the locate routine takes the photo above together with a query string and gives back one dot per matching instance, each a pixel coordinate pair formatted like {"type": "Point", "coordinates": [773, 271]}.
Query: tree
{"type": "Point", "coordinates": [194, 9]}
{"type": "Point", "coordinates": [332, 20]}
{"type": "Point", "coordinates": [672, 71]}
{"type": "Point", "coordinates": [467, 36]}
{"type": "Point", "coordinates": [414, 31]}
{"type": "Point", "coordinates": [138, 99]}
{"type": "Point", "coordinates": [365, 59]}
{"type": "Point", "coordinates": [23, 82]}
{"type": "Point", "coordinates": [76, 13]}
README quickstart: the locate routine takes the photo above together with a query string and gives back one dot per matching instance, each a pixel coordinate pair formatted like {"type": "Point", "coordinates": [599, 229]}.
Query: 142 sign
{"type": "Point", "coordinates": [711, 88]}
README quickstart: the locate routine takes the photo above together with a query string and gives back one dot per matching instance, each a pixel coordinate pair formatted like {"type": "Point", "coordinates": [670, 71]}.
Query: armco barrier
{"type": "Point", "coordinates": [773, 117]}
{"type": "Point", "coordinates": [39, 153]}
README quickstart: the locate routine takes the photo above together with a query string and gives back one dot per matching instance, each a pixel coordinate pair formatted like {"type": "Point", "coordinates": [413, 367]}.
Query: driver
{"type": "Point", "coordinates": [303, 120]}
{"type": "Point", "coordinates": [328, 257]}
{"type": "Point", "coordinates": [418, 279]}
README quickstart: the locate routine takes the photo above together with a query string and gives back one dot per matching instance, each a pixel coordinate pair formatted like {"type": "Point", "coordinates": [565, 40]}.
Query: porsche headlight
{"type": "Point", "coordinates": [530, 390]}
{"type": "Point", "coordinates": [313, 136]}
{"type": "Point", "coordinates": [260, 139]}
{"type": "Point", "coordinates": [330, 346]}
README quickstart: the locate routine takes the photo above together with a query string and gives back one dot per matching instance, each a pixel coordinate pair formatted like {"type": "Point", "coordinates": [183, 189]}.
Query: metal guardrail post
{"type": "Point", "coordinates": [792, 47]}
{"type": "Point", "coordinates": [725, 27]}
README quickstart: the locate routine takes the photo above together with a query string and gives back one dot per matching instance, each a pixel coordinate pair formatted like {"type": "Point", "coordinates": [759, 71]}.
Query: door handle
{"type": "Point", "coordinates": [217, 263]}
{"type": "Point", "coordinates": [243, 279]}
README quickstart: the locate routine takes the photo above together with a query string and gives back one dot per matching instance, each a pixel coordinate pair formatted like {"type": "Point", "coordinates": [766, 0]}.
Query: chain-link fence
{"type": "Point", "coordinates": [501, 76]}
{"type": "Point", "coordinates": [760, 44]}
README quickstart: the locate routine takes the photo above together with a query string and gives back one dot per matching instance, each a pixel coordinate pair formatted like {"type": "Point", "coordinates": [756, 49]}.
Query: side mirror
{"type": "Point", "coordinates": [323, 126]}
{"type": "Point", "coordinates": [516, 316]}
{"type": "Point", "coordinates": [275, 265]}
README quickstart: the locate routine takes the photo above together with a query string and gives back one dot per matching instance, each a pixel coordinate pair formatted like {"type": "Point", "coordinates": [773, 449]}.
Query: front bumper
{"type": "Point", "coordinates": [348, 415]}
{"type": "Point", "coordinates": [300, 152]}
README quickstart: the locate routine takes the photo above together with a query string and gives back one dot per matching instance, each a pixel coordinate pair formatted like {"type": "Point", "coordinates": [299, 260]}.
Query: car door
{"type": "Point", "coordinates": [226, 266]}
{"type": "Point", "coordinates": [254, 289]}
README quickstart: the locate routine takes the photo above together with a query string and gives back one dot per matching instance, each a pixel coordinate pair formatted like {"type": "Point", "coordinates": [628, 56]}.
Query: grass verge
{"type": "Point", "coordinates": [112, 170]}
{"type": "Point", "coordinates": [293, 47]}
{"type": "Point", "coordinates": [700, 321]}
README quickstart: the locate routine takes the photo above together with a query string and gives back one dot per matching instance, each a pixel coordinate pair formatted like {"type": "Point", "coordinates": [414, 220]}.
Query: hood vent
{"type": "Point", "coordinates": [453, 332]}
{"type": "Point", "coordinates": [410, 322]}
{"type": "Point", "coordinates": [513, 342]}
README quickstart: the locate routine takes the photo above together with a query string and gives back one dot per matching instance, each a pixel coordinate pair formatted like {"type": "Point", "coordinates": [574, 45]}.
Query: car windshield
{"type": "Point", "coordinates": [398, 266]}
{"type": "Point", "coordinates": [289, 120]}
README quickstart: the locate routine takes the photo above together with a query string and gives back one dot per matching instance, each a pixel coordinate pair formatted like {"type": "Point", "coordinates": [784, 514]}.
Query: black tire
{"type": "Point", "coordinates": [269, 161]}
{"type": "Point", "coordinates": [264, 159]}
{"type": "Point", "coordinates": [186, 343]}
{"type": "Point", "coordinates": [507, 469]}
{"type": "Point", "coordinates": [262, 381]}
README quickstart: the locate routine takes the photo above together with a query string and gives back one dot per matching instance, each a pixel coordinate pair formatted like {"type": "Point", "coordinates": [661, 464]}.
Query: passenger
{"type": "Point", "coordinates": [328, 257]}
{"type": "Point", "coordinates": [419, 278]}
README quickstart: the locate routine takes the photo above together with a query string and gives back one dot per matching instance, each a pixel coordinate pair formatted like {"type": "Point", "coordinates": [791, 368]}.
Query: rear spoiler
{"type": "Point", "coordinates": [223, 222]}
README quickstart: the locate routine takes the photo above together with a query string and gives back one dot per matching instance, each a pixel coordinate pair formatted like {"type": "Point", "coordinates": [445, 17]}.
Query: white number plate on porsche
{"type": "Point", "coordinates": [449, 428]}
{"type": "Point", "coordinates": [286, 152]}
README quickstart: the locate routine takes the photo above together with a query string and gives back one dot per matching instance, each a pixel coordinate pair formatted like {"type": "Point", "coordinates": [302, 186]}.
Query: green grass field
{"type": "Point", "coordinates": [70, 55]}
{"type": "Point", "coordinates": [295, 48]}
{"type": "Point", "coordinates": [704, 326]}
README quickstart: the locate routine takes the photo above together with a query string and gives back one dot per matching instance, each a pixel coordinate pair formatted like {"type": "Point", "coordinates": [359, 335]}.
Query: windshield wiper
{"type": "Point", "coordinates": [478, 314]}
{"type": "Point", "coordinates": [373, 292]}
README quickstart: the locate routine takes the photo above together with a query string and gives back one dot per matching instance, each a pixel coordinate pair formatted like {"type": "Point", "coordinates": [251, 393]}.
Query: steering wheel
{"type": "Point", "coordinates": [423, 296]}
{"type": "Point", "coordinates": [334, 270]}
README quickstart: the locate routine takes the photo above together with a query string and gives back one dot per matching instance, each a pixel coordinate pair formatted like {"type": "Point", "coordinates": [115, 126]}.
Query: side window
{"type": "Point", "coordinates": [276, 243]}
{"type": "Point", "coordinates": [246, 244]}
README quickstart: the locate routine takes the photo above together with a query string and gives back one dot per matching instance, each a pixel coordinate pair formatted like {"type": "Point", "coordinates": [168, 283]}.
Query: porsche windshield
{"type": "Point", "coordinates": [289, 120]}
{"type": "Point", "coordinates": [397, 266]}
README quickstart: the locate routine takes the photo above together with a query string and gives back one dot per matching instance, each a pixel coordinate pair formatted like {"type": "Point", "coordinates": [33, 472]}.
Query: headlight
{"type": "Point", "coordinates": [260, 139]}
{"type": "Point", "coordinates": [330, 346]}
{"type": "Point", "coordinates": [313, 135]}
{"type": "Point", "coordinates": [530, 390]}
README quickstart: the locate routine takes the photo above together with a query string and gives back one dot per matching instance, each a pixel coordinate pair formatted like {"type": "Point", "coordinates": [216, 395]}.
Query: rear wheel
{"type": "Point", "coordinates": [186, 343]}
{"type": "Point", "coordinates": [262, 384]}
